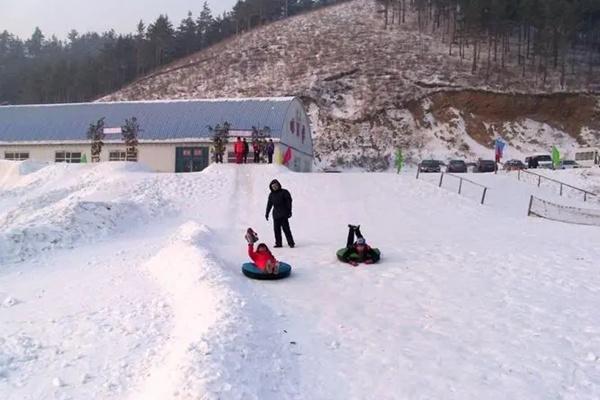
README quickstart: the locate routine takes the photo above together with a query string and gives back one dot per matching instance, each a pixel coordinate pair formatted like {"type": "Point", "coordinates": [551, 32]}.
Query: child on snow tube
{"type": "Point", "coordinates": [359, 251]}
{"type": "Point", "coordinates": [262, 257]}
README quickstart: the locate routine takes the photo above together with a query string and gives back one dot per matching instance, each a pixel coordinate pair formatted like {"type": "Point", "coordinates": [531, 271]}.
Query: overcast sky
{"type": "Point", "coordinates": [58, 17]}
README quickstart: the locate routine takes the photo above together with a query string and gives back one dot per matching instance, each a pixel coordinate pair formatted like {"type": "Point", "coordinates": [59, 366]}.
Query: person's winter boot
{"type": "Point", "coordinates": [251, 236]}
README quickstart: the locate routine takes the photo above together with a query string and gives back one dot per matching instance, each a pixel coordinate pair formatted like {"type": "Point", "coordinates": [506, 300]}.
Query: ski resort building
{"type": "Point", "coordinates": [175, 136]}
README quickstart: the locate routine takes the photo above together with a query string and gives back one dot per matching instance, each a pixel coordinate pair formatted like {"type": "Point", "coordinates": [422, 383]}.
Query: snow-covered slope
{"type": "Point", "coordinates": [469, 301]}
{"type": "Point", "coordinates": [369, 90]}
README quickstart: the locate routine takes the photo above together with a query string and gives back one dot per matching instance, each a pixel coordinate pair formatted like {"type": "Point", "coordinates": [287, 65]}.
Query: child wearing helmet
{"type": "Point", "coordinates": [359, 251]}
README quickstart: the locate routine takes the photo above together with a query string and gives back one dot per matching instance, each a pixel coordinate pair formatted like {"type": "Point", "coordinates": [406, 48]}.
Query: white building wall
{"type": "Point", "coordinates": [159, 157]}
{"type": "Point", "coordinates": [297, 135]}
{"type": "Point", "coordinates": [301, 123]}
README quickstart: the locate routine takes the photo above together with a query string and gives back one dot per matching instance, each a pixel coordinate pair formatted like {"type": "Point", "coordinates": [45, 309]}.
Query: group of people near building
{"type": "Point", "coordinates": [241, 149]}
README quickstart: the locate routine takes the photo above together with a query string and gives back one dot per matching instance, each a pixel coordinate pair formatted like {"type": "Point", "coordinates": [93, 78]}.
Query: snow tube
{"type": "Point", "coordinates": [252, 271]}
{"type": "Point", "coordinates": [353, 257]}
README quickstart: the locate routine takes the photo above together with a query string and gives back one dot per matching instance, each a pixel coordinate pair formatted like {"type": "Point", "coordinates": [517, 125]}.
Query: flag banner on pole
{"type": "Point", "coordinates": [499, 146]}
{"type": "Point", "coordinates": [555, 157]}
{"type": "Point", "coordinates": [287, 157]}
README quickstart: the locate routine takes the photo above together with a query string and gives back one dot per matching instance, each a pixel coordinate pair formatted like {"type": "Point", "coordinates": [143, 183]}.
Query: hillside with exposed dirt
{"type": "Point", "coordinates": [369, 90]}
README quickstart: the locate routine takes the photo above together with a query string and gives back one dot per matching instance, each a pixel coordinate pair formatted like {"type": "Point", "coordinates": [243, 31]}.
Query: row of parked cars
{"type": "Point", "coordinates": [544, 162]}
{"type": "Point", "coordinates": [460, 166]}
{"type": "Point", "coordinates": [457, 166]}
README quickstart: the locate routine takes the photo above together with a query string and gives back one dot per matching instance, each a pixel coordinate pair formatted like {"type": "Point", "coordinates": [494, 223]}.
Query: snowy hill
{"type": "Point", "coordinates": [370, 90]}
{"type": "Point", "coordinates": [117, 283]}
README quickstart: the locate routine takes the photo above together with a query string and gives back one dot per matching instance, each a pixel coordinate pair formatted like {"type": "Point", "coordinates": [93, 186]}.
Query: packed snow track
{"type": "Point", "coordinates": [118, 283]}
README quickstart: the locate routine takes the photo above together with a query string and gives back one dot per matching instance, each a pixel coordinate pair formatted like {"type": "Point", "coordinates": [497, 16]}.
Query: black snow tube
{"type": "Point", "coordinates": [253, 272]}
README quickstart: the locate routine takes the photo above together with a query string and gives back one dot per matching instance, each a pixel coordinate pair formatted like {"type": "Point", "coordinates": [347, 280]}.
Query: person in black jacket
{"type": "Point", "coordinates": [246, 151]}
{"type": "Point", "coordinates": [280, 200]}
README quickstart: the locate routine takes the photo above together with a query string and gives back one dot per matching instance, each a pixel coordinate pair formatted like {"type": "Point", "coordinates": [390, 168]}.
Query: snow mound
{"type": "Point", "coordinates": [270, 168]}
{"type": "Point", "coordinates": [209, 347]}
{"type": "Point", "coordinates": [25, 234]}
{"type": "Point", "coordinates": [12, 171]}
{"type": "Point", "coordinates": [59, 205]}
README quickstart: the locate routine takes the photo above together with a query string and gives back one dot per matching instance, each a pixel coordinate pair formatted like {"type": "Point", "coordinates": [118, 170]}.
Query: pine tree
{"type": "Point", "coordinates": [130, 132]}
{"type": "Point", "coordinates": [220, 138]}
{"type": "Point", "coordinates": [203, 26]}
{"type": "Point", "coordinates": [95, 133]}
{"type": "Point", "coordinates": [162, 38]}
{"type": "Point", "coordinates": [186, 39]}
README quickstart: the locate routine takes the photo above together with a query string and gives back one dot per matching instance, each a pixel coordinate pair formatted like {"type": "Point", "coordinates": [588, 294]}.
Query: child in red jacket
{"type": "Point", "coordinates": [262, 257]}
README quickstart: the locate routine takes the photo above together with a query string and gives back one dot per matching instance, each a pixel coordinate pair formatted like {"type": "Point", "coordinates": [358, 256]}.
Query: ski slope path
{"type": "Point", "coordinates": [138, 293]}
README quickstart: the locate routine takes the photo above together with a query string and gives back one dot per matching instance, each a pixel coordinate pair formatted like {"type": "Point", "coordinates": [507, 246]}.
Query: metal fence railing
{"type": "Point", "coordinates": [541, 178]}
{"type": "Point", "coordinates": [461, 183]}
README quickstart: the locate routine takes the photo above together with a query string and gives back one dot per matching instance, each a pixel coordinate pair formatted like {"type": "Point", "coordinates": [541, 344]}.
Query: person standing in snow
{"type": "Point", "coordinates": [246, 151]}
{"type": "Point", "coordinates": [280, 200]}
{"type": "Point", "coordinates": [219, 150]}
{"type": "Point", "coordinates": [256, 149]}
{"type": "Point", "coordinates": [270, 150]}
{"type": "Point", "coordinates": [238, 149]}
{"type": "Point", "coordinates": [359, 251]}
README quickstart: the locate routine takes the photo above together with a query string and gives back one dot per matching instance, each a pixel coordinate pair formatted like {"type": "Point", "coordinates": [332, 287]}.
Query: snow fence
{"type": "Point", "coordinates": [556, 212]}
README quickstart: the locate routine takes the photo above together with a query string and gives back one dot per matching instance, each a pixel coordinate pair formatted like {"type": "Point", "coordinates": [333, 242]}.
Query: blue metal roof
{"type": "Point", "coordinates": [159, 120]}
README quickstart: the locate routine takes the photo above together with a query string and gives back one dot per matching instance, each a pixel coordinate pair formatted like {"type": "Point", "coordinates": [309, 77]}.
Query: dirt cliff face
{"type": "Point", "coordinates": [370, 90]}
{"type": "Point", "coordinates": [570, 113]}
{"type": "Point", "coordinates": [459, 123]}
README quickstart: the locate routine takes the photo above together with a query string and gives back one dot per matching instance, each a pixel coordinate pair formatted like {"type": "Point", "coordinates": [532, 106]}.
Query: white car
{"type": "Point", "coordinates": [568, 164]}
{"type": "Point", "coordinates": [542, 160]}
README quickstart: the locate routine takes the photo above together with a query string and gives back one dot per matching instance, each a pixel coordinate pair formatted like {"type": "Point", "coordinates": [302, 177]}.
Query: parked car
{"type": "Point", "coordinates": [456, 166]}
{"type": "Point", "coordinates": [568, 164]}
{"type": "Point", "coordinates": [485, 166]}
{"type": "Point", "coordinates": [512, 165]}
{"type": "Point", "coordinates": [539, 161]}
{"type": "Point", "coordinates": [430, 166]}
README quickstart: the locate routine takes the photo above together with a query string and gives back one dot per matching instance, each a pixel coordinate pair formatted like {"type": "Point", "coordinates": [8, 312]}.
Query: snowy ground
{"type": "Point", "coordinates": [116, 283]}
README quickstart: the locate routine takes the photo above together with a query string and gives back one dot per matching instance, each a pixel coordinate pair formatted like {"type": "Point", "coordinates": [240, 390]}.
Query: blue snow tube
{"type": "Point", "coordinates": [252, 271]}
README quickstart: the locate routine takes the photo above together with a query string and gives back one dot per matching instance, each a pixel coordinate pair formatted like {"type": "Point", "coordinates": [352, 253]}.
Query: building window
{"type": "Point", "coordinates": [16, 156]}
{"type": "Point", "coordinates": [68, 157]}
{"type": "Point", "coordinates": [292, 126]}
{"type": "Point", "coordinates": [117, 156]}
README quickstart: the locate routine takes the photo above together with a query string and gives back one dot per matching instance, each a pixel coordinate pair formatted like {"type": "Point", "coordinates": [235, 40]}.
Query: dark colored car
{"type": "Point", "coordinates": [430, 166]}
{"type": "Point", "coordinates": [513, 165]}
{"type": "Point", "coordinates": [485, 166]}
{"type": "Point", "coordinates": [456, 166]}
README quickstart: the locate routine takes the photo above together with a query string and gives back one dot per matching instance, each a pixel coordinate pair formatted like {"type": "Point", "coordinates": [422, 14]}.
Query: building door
{"type": "Point", "coordinates": [191, 159]}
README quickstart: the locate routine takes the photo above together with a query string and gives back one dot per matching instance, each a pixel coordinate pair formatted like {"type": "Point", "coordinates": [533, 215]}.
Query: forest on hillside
{"type": "Point", "coordinates": [88, 65]}
{"type": "Point", "coordinates": [542, 36]}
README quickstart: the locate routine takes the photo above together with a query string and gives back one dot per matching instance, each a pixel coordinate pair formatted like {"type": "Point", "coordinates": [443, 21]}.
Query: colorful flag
{"type": "Point", "coordinates": [499, 146]}
{"type": "Point", "coordinates": [555, 157]}
{"type": "Point", "coordinates": [287, 157]}
{"type": "Point", "coordinates": [399, 160]}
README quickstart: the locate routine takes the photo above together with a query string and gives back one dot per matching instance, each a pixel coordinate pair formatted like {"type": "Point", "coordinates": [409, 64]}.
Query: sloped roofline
{"type": "Point", "coordinates": [160, 101]}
